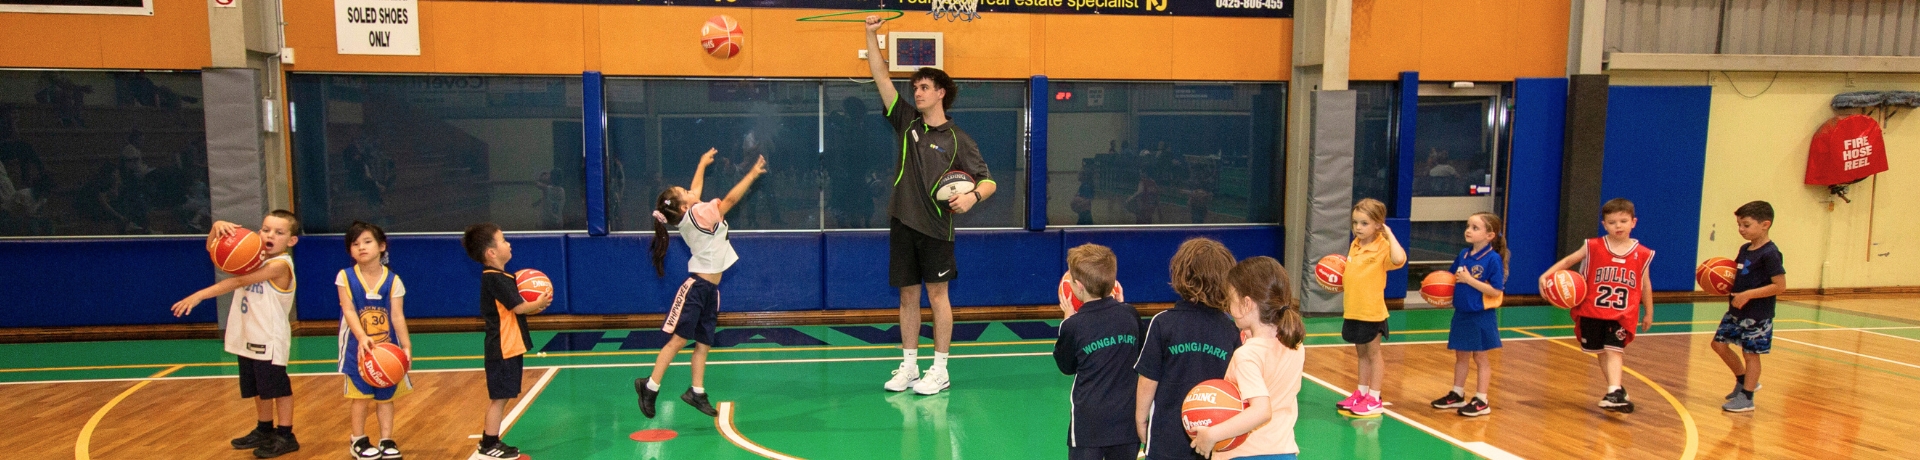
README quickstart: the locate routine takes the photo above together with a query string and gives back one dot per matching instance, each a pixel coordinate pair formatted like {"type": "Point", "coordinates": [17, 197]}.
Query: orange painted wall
{"type": "Point", "coordinates": [1478, 40]}
{"type": "Point", "coordinates": [543, 38]}
{"type": "Point", "coordinates": [173, 38]}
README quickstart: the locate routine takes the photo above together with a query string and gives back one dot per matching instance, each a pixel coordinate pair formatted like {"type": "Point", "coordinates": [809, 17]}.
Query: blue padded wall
{"type": "Point", "coordinates": [441, 281]}
{"type": "Point", "coordinates": [1656, 156]}
{"type": "Point", "coordinates": [999, 267]}
{"type": "Point", "coordinates": [1144, 253]}
{"type": "Point", "coordinates": [107, 281]}
{"type": "Point", "coordinates": [1533, 179]}
{"type": "Point", "coordinates": [614, 274]}
{"type": "Point", "coordinates": [856, 271]}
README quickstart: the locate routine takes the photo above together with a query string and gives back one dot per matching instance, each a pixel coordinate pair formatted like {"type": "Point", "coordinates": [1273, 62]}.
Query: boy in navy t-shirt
{"type": "Point", "coordinates": [1097, 346]}
{"type": "Point", "coordinates": [1184, 346]}
{"type": "Point", "coordinates": [1749, 320]}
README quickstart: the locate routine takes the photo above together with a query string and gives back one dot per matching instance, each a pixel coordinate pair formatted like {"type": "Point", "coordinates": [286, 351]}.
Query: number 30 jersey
{"type": "Point", "coordinates": [1613, 282]}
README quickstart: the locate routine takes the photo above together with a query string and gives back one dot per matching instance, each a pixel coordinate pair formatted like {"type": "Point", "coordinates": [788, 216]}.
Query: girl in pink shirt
{"type": "Point", "coordinates": [1266, 369]}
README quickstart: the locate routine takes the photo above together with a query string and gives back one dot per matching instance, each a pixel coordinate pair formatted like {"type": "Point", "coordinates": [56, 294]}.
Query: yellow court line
{"type": "Point", "coordinates": [1686, 418]}
{"type": "Point", "coordinates": [81, 449]}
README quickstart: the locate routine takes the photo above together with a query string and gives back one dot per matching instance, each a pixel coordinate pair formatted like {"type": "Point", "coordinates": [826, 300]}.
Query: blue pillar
{"type": "Point", "coordinates": [1037, 155]}
{"type": "Point", "coordinates": [1400, 211]}
{"type": "Point", "coordinates": [594, 121]}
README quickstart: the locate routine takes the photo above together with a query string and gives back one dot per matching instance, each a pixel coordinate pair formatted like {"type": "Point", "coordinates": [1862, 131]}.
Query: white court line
{"type": "Point", "coordinates": [1863, 355]}
{"type": "Point", "coordinates": [1478, 448]}
{"type": "Point", "coordinates": [507, 423]}
{"type": "Point", "coordinates": [725, 422]}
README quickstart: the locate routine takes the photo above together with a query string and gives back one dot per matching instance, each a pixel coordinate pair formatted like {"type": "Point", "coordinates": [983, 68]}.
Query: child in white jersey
{"type": "Point", "coordinates": [259, 332]}
{"type": "Point", "coordinates": [696, 308]}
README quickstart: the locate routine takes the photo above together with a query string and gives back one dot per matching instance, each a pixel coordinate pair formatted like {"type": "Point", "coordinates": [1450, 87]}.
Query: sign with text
{"type": "Point", "coordinates": [388, 27]}
{"type": "Point", "coordinates": [1219, 8]}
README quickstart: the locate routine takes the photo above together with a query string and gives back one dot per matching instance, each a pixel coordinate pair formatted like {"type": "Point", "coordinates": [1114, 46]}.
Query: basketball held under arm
{"type": "Point", "coordinates": [1257, 413]}
{"type": "Point", "coordinates": [1564, 264]}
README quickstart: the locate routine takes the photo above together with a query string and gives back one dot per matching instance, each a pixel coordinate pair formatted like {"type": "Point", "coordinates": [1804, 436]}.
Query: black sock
{"type": "Point", "coordinates": [1747, 392]}
{"type": "Point", "coordinates": [286, 430]}
{"type": "Point", "coordinates": [488, 440]}
{"type": "Point", "coordinates": [265, 426]}
{"type": "Point", "coordinates": [1741, 379]}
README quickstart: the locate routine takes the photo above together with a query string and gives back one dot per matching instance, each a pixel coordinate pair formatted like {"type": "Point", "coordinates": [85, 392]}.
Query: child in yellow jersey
{"type": "Point", "coordinates": [1374, 252]}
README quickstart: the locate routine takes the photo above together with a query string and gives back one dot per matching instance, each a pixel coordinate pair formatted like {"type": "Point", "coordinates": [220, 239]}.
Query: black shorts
{"type": "Point", "coordinates": [1120, 452]}
{"type": "Point", "coordinates": [917, 257]}
{"type": "Point", "coordinates": [1601, 334]}
{"type": "Point", "coordinates": [503, 377]}
{"type": "Point", "coordinates": [263, 379]}
{"type": "Point", "coordinates": [1357, 332]}
{"type": "Point", "coordinates": [695, 311]}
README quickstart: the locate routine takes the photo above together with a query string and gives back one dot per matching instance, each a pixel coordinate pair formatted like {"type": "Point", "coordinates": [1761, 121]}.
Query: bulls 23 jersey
{"type": "Point", "coordinates": [1613, 281]}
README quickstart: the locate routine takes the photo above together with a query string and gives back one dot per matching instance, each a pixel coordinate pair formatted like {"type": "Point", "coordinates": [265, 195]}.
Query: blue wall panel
{"type": "Point", "coordinates": [1655, 156]}
{"type": "Point", "coordinates": [999, 267]}
{"type": "Point", "coordinates": [1144, 253]}
{"type": "Point", "coordinates": [1533, 179]}
{"type": "Point", "coordinates": [441, 281]}
{"type": "Point", "coordinates": [614, 274]}
{"type": "Point", "coordinates": [107, 282]}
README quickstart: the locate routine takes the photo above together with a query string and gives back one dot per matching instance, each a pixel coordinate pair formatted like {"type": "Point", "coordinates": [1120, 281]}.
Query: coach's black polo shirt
{"type": "Point", "coordinates": [926, 153]}
{"type": "Point", "coordinates": [1097, 347]}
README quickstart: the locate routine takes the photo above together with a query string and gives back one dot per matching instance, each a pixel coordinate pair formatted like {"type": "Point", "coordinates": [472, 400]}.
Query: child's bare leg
{"type": "Point", "coordinates": [1610, 362]}
{"type": "Point", "coordinates": [1753, 371]}
{"type": "Point", "coordinates": [1378, 361]}
{"type": "Point", "coordinates": [360, 418]}
{"type": "Point", "coordinates": [496, 411]}
{"type": "Point", "coordinates": [1486, 372]}
{"type": "Point", "coordinates": [700, 364]}
{"type": "Point", "coordinates": [285, 407]}
{"type": "Point", "coordinates": [1460, 359]}
{"type": "Point", "coordinates": [263, 408]}
{"type": "Point", "coordinates": [665, 358]}
{"type": "Point", "coordinates": [1360, 363]}
{"type": "Point", "coordinates": [1731, 357]}
{"type": "Point", "coordinates": [386, 418]}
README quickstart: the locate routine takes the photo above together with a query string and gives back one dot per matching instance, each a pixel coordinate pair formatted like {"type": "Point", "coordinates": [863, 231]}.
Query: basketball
{"type": "Point", "coordinates": [721, 36]}
{"type": "Point", "coordinates": [1329, 272]}
{"type": "Point", "coordinates": [1715, 275]}
{"type": "Point", "coordinates": [384, 365]}
{"type": "Point", "coordinates": [533, 284]}
{"type": "Point", "coordinates": [239, 252]}
{"type": "Point", "coordinates": [1210, 403]}
{"type": "Point", "coordinates": [1564, 289]}
{"type": "Point", "coordinates": [1437, 288]}
{"type": "Point", "coordinates": [1066, 293]}
{"type": "Point", "coordinates": [952, 184]}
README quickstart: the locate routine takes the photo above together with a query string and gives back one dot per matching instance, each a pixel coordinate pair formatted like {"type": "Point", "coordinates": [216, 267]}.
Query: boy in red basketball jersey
{"type": "Point", "coordinates": [259, 332]}
{"type": "Point", "coordinates": [507, 340]}
{"type": "Point", "coordinates": [1618, 289]}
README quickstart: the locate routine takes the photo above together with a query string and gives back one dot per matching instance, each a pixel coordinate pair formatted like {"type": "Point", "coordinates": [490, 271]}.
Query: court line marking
{"type": "Point", "coordinates": [533, 393]}
{"type": "Point", "coordinates": [1478, 448]}
{"type": "Point", "coordinates": [725, 423]}
{"type": "Point", "coordinates": [1692, 448]}
{"type": "Point", "coordinates": [1863, 355]}
{"type": "Point", "coordinates": [82, 449]}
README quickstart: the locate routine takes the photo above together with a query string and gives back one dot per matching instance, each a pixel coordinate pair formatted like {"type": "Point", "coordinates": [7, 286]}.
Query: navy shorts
{"type": "Point", "coordinates": [263, 379]}
{"type": "Point", "coordinates": [1359, 332]}
{"type": "Point", "coordinates": [1754, 336]}
{"type": "Point", "coordinates": [1474, 331]}
{"type": "Point", "coordinates": [695, 312]}
{"type": "Point", "coordinates": [503, 377]}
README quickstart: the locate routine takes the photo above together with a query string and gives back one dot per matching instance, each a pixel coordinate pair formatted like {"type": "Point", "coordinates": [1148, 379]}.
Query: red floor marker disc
{"type": "Point", "coordinates": [653, 435]}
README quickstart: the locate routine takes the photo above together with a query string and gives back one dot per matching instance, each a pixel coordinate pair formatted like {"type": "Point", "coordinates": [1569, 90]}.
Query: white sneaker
{"type": "Point", "coordinates": [934, 382]}
{"type": "Point", "coordinates": [904, 377]}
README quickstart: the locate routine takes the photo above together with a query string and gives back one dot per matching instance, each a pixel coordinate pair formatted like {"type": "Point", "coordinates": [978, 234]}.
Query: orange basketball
{"type": "Point", "coordinates": [1210, 403]}
{"type": "Point", "coordinates": [1066, 293]}
{"type": "Point", "coordinates": [239, 252]}
{"type": "Point", "coordinates": [1331, 272]}
{"type": "Point", "coordinates": [384, 365]}
{"type": "Point", "coordinates": [721, 36]}
{"type": "Point", "coordinates": [1437, 288]}
{"type": "Point", "coordinates": [1564, 289]}
{"type": "Point", "coordinates": [533, 283]}
{"type": "Point", "coordinates": [1715, 275]}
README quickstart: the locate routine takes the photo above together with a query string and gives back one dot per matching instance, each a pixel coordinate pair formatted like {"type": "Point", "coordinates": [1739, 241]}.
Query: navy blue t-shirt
{"type": "Point", "coordinates": [1184, 346]}
{"type": "Point", "coordinates": [1097, 347]}
{"type": "Point", "coordinates": [1755, 268]}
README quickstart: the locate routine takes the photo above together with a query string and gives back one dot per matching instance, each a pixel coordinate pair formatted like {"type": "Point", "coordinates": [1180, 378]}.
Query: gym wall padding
{"type": "Point", "coordinates": [1144, 253]}
{"type": "Point", "coordinates": [83, 282]}
{"type": "Point", "coordinates": [1655, 156]}
{"type": "Point", "coordinates": [1533, 180]}
{"type": "Point", "coordinates": [1330, 193]}
{"type": "Point", "coordinates": [441, 281]}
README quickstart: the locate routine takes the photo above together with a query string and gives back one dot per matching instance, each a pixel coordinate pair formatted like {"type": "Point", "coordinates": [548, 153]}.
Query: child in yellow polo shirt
{"type": "Point", "coordinates": [1374, 251]}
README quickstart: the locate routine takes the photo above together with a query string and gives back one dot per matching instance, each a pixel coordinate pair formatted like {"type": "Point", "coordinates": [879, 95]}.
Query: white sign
{"type": "Point", "coordinates": [390, 27]}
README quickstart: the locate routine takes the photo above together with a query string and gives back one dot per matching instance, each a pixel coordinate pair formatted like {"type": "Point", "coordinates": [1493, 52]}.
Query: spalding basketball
{"type": "Point", "coordinates": [721, 36]}
{"type": "Point", "coordinates": [1715, 275]}
{"type": "Point", "coordinates": [1437, 288]}
{"type": "Point", "coordinates": [533, 284]}
{"type": "Point", "coordinates": [952, 184]}
{"type": "Point", "coordinates": [1066, 293]}
{"type": "Point", "coordinates": [1331, 272]}
{"type": "Point", "coordinates": [1564, 289]}
{"type": "Point", "coordinates": [1210, 403]}
{"type": "Point", "coordinates": [239, 252]}
{"type": "Point", "coordinates": [384, 365]}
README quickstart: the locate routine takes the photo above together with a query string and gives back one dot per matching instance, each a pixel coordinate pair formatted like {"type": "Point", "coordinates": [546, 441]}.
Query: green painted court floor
{"type": "Point", "coordinates": [814, 391]}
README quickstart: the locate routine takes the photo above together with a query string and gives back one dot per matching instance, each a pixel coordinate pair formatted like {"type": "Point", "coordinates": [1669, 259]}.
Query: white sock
{"type": "Point", "coordinates": [699, 390]}
{"type": "Point", "coordinates": [909, 355]}
{"type": "Point", "coordinates": [1483, 397]}
{"type": "Point", "coordinates": [652, 385]}
{"type": "Point", "coordinates": [1462, 391]}
{"type": "Point", "coordinates": [1361, 391]}
{"type": "Point", "coordinates": [939, 360]}
{"type": "Point", "coordinates": [1374, 393]}
{"type": "Point", "coordinates": [1611, 389]}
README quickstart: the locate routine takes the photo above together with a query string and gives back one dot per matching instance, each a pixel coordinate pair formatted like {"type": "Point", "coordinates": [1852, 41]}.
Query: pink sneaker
{"type": "Point", "coordinates": [1366, 406]}
{"type": "Point", "coordinates": [1351, 399]}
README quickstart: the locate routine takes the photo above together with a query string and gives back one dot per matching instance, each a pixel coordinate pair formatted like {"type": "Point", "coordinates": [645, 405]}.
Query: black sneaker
{"type": "Point", "coordinates": [362, 449]}
{"type": "Point", "coordinates": [699, 401]}
{"type": "Point", "coordinates": [389, 450]}
{"type": "Point", "coordinates": [646, 396]}
{"type": "Point", "coordinates": [1450, 401]}
{"type": "Point", "coordinates": [498, 450]}
{"type": "Point", "coordinates": [1475, 408]}
{"type": "Point", "coordinates": [277, 446]}
{"type": "Point", "coordinates": [252, 440]}
{"type": "Point", "coordinates": [1617, 402]}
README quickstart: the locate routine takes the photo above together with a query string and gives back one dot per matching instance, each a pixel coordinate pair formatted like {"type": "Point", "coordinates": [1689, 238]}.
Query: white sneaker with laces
{"type": "Point", "coordinates": [904, 377]}
{"type": "Point", "coordinates": [933, 383]}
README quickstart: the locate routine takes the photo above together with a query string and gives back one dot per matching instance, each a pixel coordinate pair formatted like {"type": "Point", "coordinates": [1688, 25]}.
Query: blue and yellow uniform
{"type": "Point", "coordinates": [372, 298]}
{"type": "Point", "coordinates": [1476, 327]}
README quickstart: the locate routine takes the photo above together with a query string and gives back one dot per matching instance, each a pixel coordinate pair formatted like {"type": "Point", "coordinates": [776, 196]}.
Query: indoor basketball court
{"type": "Point", "coordinates": [323, 190]}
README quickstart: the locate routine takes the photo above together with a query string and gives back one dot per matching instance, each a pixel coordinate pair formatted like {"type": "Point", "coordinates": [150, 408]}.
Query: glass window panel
{"type": "Point", "coordinates": [1455, 144]}
{"type": "Point", "coordinates": [1164, 153]}
{"type": "Point", "coordinates": [438, 153]}
{"type": "Point", "coordinates": [102, 153]}
{"type": "Point", "coordinates": [861, 155]}
{"type": "Point", "coordinates": [659, 128]}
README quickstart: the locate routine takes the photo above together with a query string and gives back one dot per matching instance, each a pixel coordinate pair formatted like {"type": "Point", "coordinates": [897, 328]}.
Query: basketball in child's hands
{"type": "Point", "coordinates": [1437, 288]}
{"type": "Point", "coordinates": [1066, 293]}
{"type": "Point", "coordinates": [1564, 289]}
{"type": "Point", "coordinates": [1715, 275]}
{"type": "Point", "coordinates": [1331, 272]}
{"type": "Point", "coordinates": [1209, 404]}
{"type": "Point", "coordinates": [238, 252]}
{"type": "Point", "coordinates": [533, 284]}
{"type": "Point", "coordinates": [384, 365]}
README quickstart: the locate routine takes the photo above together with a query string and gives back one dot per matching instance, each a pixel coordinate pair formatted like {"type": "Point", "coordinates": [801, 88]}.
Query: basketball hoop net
{"type": "Point", "coordinates": [964, 10]}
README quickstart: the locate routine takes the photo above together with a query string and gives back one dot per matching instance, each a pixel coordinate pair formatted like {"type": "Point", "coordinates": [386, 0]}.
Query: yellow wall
{"type": "Point", "coordinates": [1757, 150]}
{"type": "Point", "coordinates": [174, 38]}
{"type": "Point", "coordinates": [1459, 40]}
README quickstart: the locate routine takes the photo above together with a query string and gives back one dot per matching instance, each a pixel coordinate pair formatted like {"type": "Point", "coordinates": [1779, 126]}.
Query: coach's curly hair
{"type": "Point", "coordinates": [1199, 272]}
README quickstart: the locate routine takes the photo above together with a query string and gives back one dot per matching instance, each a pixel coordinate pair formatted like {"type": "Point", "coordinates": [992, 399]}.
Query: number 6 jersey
{"type": "Point", "coordinates": [1613, 282]}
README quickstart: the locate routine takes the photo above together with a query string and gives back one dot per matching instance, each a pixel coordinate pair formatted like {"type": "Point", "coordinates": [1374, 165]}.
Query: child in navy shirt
{"type": "Point", "coordinates": [1097, 346]}
{"type": "Point", "coordinates": [1481, 274]}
